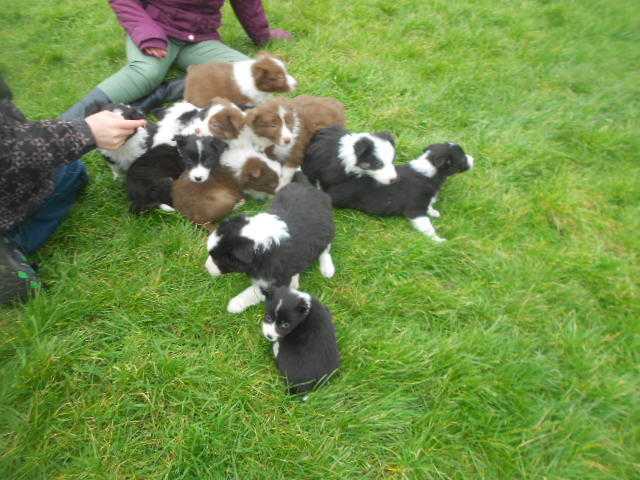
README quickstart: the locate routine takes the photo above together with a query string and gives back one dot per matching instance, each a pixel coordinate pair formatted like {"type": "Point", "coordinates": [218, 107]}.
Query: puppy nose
{"type": "Point", "coordinates": [270, 338]}
{"type": "Point", "coordinates": [287, 141]}
{"type": "Point", "coordinates": [197, 179]}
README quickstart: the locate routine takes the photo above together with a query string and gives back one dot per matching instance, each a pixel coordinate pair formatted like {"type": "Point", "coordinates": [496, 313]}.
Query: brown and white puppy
{"type": "Point", "coordinates": [258, 175]}
{"type": "Point", "coordinates": [311, 114]}
{"type": "Point", "coordinates": [246, 82]}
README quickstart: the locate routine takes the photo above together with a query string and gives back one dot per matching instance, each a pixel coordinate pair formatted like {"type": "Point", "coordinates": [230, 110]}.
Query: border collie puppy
{"type": "Point", "coordinates": [258, 175]}
{"type": "Point", "coordinates": [225, 120]}
{"type": "Point", "coordinates": [136, 145]}
{"type": "Point", "coordinates": [413, 195]}
{"type": "Point", "coordinates": [296, 122]}
{"type": "Point", "coordinates": [179, 118]}
{"type": "Point", "coordinates": [274, 248]}
{"type": "Point", "coordinates": [336, 155]}
{"type": "Point", "coordinates": [247, 82]}
{"type": "Point", "coordinates": [303, 336]}
{"type": "Point", "coordinates": [150, 178]}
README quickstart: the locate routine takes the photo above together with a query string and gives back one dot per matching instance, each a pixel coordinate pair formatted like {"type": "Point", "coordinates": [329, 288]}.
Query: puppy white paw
{"type": "Point", "coordinates": [166, 208]}
{"type": "Point", "coordinates": [438, 239]}
{"type": "Point", "coordinates": [327, 269]}
{"type": "Point", "coordinates": [236, 305]}
{"type": "Point", "coordinates": [432, 212]}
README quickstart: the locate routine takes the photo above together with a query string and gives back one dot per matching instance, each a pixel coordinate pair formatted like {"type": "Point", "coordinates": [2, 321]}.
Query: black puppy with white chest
{"type": "Point", "coordinates": [303, 336]}
{"type": "Point", "coordinates": [150, 177]}
{"type": "Point", "coordinates": [411, 195]}
{"type": "Point", "coordinates": [274, 247]}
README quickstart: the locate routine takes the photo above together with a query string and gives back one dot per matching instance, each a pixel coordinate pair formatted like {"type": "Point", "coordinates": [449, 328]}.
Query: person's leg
{"type": "Point", "coordinates": [31, 234]}
{"type": "Point", "coordinates": [208, 52]}
{"type": "Point", "coordinates": [140, 76]}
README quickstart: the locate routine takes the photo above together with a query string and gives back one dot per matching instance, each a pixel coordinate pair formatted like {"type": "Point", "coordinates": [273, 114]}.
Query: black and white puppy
{"type": "Point", "coordinates": [303, 336]}
{"type": "Point", "coordinates": [136, 145]}
{"type": "Point", "coordinates": [412, 195]}
{"type": "Point", "coordinates": [274, 248]}
{"type": "Point", "coordinates": [150, 177]}
{"type": "Point", "coordinates": [336, 155]}
{"type": "Point", "coordinates": [181, 118]}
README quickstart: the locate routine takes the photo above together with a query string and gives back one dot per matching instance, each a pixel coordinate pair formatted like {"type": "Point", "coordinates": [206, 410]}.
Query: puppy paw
{"type": "Point", "coordinates": [236, 305]}
{"type": "Point", "coordinates": [327, 269]}
{"type": "Point", "coordinates": [166, 208]}
{"type": "Point", "coordinates": [438, 239]}
{"type": "Point", "coordinates": [432, 212]}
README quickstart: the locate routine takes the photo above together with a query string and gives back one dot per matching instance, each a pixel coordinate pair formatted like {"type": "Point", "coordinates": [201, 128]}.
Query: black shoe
{"type": "Point", "coordinates": [18, 279]}
{"type": "Point", "coordinates": [166, 92]}
{"type": "Point", "coordinates": [89, 105]}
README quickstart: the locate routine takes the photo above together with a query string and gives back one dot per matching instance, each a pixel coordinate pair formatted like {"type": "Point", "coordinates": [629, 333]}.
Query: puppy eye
{"type": "Point", "coordinates": [268, 318]}
{"type": "Point", "coordinates": [285, 325]}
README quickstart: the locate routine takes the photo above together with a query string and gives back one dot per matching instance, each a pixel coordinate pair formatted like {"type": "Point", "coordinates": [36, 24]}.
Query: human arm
{"type": "Point", "coordinates": [142, 29]}
{"type": "Point", "coordinates": [254, 21]}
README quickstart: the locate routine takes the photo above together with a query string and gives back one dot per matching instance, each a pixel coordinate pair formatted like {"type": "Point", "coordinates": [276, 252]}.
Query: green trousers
{"type": "Point", "coordinates": [143, 73]}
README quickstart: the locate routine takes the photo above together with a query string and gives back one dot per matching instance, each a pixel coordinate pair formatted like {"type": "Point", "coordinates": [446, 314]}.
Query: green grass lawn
{"type": "Point", "coordinates": [510, 351]}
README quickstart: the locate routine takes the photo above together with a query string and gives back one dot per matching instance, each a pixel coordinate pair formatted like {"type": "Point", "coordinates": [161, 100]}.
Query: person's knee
{"type": "Point", "coordinates": [149, 75]}
{"type": "Point", "coordinates": [72, 178]}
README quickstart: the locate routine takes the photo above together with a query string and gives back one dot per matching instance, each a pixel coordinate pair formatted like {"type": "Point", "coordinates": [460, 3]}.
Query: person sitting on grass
{"type": "Point", "coordinates": [164, 32]}
{"type": "Point", "coordinates": [40, 180]}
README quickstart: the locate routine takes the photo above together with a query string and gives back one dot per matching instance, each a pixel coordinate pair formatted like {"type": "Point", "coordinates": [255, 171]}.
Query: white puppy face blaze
{"type": "Point", "coordinates": [470, 161]}
{"type": "Point", "coordinates": [269, 331]}
{"type": "Point", "coordinates": [384, 175]}
{"type": "Point", "coordinates": [286, 136]}
{"type": "Point", "coordinates": [199, 174]}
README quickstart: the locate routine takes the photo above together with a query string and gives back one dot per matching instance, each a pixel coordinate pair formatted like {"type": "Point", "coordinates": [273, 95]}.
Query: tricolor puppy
{"type": "Point", "coordinates": [412, 195]}
{"type": "Point", "coordinates": [274, 248]}
{"type": "Point", "coordinates": [308, 115]}
{"type": "Point", "coordinates": [258, 175]}
{"type": "Point", "coordinates": [136, 145]}
{"type": "Point", "coordinates": [246, 82]}
{"type": "Point", "coordinates": [150, 178]}
{"type": "Point", "coordinates": [303, 336]}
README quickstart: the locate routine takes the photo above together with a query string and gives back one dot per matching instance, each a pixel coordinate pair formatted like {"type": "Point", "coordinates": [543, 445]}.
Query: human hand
{"type": "Point", "coordinates": [110, 130]}
{"type": "Point", "coordinates": [155, 52]}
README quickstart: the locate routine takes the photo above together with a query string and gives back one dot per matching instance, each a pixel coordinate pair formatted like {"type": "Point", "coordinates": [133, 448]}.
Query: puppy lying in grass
{"type": "Point", "coordinates": [344, 173]}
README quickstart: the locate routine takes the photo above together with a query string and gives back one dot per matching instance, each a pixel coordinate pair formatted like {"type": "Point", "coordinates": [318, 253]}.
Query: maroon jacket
{"type": "Point", "coordinates": [150, 23]}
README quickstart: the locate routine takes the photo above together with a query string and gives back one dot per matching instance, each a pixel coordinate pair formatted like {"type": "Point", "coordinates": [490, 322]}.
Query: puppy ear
{"type": "Point", "coordinates": [217, 145]}
{"type": "Point", "coordinates": [181, 140]}
{"type": "Point", "coordinates": [243, 252]}
{"type": "Point", "coordinates": [362, 147]}
{"type": "Point", "coordinates": [387, 136]}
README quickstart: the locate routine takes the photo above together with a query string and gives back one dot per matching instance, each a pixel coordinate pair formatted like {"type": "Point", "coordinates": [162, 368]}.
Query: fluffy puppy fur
{"type": "Point", "coordinates": [247, 82]}
{"type": "Point", "coordinates": [136, 145]}
{"type": "Point", "coordinates": [181, 118]}
{"type": "Point", "coordinates": [225, 120]}
{"type": "Point", "coordinates": [307, 115]}
{"type": "Point", "coordinates": [258, 175]}
{"type": "Point", "coordinates": [274, 248]}
{"type": "Point", "coordinates": [150, 178]}
{"type": "Point", "coordinates": [207, 202]}
{"type": "Point", "coordinates": [336, 155]}
{"type": "Point", "coordinates": [303, 336]}
{"type": "Point", "coordinates": [412, 195]}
